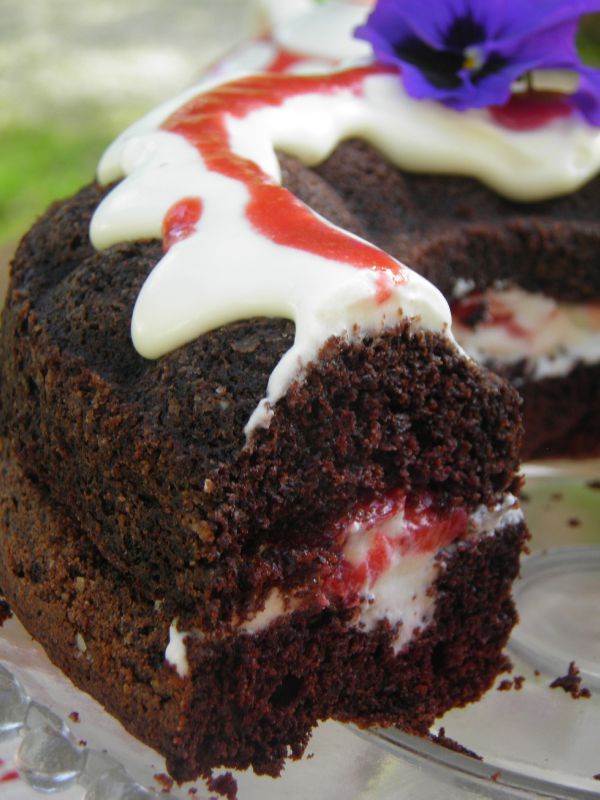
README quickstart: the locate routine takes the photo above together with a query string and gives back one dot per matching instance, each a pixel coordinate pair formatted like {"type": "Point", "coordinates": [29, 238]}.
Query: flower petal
{"type": "Point", "coordinates": [587, 97]}
{"type": "Point", "coordinates": [517, 18]}
{"type": "Point", "coordinates": [468, 53]}
{"type": "Point", "coordinates": [551, 43]}
{"type": "Point", "coordinates": [429, 21]}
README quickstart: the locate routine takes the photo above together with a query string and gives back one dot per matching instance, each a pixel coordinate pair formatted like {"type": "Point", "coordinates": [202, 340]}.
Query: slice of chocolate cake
{"type": "Point", "coordinates": [517, 257]}
{"type": "Point", "coordinates": [521, 278]}
{"type": "Point", "coordinates": [288, 496]}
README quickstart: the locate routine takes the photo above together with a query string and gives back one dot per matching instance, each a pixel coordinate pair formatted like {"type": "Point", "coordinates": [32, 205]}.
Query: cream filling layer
{"type": "Point", "coordinates": [401, 595]}
{"type": "Point", "coordinates": [551, 336]}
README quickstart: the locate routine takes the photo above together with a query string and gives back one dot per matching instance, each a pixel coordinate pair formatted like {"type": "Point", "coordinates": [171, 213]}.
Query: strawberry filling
{"type": "Point", "coordinates": [383, 533]}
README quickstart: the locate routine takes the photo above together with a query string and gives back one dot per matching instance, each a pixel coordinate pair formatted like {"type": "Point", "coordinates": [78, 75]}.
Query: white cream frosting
{"type": "Point", "coordinates": [551, 336]}
{"type": "Point", "coordinates": [226, 270]}
{"type": "Point", "coordinates": [401, 594]}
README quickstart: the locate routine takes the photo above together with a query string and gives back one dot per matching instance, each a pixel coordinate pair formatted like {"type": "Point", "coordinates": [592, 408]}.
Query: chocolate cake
{"type": "Point", "coordinates": [496, 261]}
{"type": "Point", "coordinates": [288, 496]}
{"type": "Point", "coordinates": [517, 263]}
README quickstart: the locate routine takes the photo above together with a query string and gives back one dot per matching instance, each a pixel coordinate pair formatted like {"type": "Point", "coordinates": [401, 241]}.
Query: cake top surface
{"type": "Point", "coordinates": [202, 174]}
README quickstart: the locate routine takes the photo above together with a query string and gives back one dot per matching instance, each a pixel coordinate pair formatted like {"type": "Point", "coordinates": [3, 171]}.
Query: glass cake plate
{"type": "Point", "coordinates": [533, 741]}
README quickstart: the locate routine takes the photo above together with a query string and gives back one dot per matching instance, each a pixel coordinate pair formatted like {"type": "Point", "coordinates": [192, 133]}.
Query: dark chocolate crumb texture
{"type": "Point", "coordinates": [295, 509]}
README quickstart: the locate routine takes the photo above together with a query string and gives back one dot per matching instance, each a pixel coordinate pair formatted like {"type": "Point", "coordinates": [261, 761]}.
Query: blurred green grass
{"type": "Point", "coordinates": [40, 164]}
{"type": "Point", "coordinates": [44, 162]}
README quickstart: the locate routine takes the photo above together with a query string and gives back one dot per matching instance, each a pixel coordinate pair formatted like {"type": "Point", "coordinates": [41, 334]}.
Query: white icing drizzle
{"type": "Point", "coordinates": [226, 270]}
{"type": "Point", "coordinates": [551, 336]}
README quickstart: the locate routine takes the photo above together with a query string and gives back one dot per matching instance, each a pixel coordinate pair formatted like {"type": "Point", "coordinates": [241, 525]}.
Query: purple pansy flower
{"type": "Point", "coordinates": [468, 53]}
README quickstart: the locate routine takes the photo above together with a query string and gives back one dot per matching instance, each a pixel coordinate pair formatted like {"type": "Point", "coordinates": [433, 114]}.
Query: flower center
{"type": "Point", "coordinates": [473, 59]}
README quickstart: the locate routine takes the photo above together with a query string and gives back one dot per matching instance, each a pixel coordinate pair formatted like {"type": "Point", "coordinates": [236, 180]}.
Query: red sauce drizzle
{"type": "Point", "coordinates": [286, 59]}
{"type": "Point", "coordinates": [384, 288]}
{"type": "Point", "coordinates": [273, 210]}
{"type": "Point", "coordinates": [13, 775]}
{"type": "Point", "coordinates": [180, 221]}
{"type": "Point", "coordinates": [531, 110]}
{"type": "Point", "coordinates": [427, 529]}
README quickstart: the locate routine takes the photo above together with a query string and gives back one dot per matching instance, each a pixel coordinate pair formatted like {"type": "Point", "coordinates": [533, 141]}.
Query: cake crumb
{"type": "Point", "coordinates": [165, 781]}
{"type": "Point", "coordinates": [5, 612]}
{"type": "Point", "coordinates": [516, 683]}
{"type": "Point", "coordinates": [450, 744]}
{"type": "Point", "coordinates": [571, 683]}
{"type": "Point", "coordinates": [225, 785]}
{"type": "Point", "coordinates": [74, 716]}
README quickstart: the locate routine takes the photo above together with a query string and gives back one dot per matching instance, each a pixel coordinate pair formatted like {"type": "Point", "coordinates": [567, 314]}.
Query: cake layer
{"type": "Point", "coordinates": [550, 352]}
{"type": "Point", "coordinates": [150, 457]}
{"type": "Point", "coordinates": [561, 413]}
{"type": "Point", "coordinates": [249, 699]}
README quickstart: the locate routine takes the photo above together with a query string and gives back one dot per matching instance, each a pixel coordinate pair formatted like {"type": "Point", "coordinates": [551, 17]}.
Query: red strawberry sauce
{"type": "Point", "coordinates": [531, 110]}
{"type": "Point", "coordinates": [181, 220]}
{"type": "Point", "coordinates": [271, 209]}
{"type": "Point", "coordinates": [425, 529]}
{"type": "Point", "coordinates": [286, 59]}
